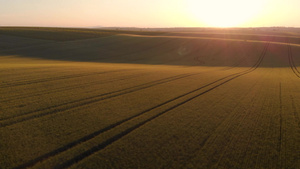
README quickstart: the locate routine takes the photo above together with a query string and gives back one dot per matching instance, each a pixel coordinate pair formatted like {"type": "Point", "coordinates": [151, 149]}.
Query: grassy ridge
{"type": "Point", "coordinates": [65, 34]}
{"type": "Point", "coordinates": [147, 50]}
{"type": "Point", "coordinates": [243, 36]}
{"type": "Point", "coordinates": [68, 34]}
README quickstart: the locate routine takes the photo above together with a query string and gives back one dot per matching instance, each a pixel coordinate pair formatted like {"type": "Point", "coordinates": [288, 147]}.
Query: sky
{"type": "Point", "coordinates": [150, 13]}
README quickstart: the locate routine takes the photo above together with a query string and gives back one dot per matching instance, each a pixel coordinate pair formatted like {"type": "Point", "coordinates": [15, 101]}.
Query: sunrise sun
{"type": "Point", "coordinates": [229, 13]}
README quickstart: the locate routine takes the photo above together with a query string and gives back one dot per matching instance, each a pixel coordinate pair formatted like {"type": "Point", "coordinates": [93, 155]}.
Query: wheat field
{"type": "Point", "coordinates": [89, 98]}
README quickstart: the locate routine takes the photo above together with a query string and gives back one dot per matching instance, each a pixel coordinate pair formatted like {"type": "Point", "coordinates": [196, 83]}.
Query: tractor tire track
{"type": "Point", "coordinates": [124, 133]}
{"type": "Point", "coordinates": [57, 78]}
{"type": "Point", "coordinates": [78, 103]}
{"type": "Point", "coordinates": [255, 129]}
{"type": "Point", "coordinates": [66, 88]}
{"type": "Point", "coordinates": [291, 61]}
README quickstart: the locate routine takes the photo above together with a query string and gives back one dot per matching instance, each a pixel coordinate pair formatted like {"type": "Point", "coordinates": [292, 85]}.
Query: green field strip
{"type": "Point", "coordinates": [239, 61]}
{"type": "Point", "coordinates": [275, 38]}
{"type": "Point", "coordinates": [126, 52]}
{"type": "Point", "coordinates": [137, 51]}
{"type": "Point", "coordinates": [13, 42]}
{"type": "Point", "coordinates": [153, 54]}
{"type": "Point", "coordinates": [103, 43]}
{"type": "Point", "coordinates": [157, 50]}
{"type": "Point", "coordinates": [123, 46]}
{"type": "Point", "coordinates": [67, 34]}
{"type": "Point", "coordinates": [239, 35]}
{"type": "Point", "coordinates": [58, 34]}
{"type": "Point", "coordinates": [169, 53]}
{"type": "Point", "coordinates": [9, 50]}
{"type": "Point", "coordinates": [219, 39]}
{"type": "Point", "coordinates": [118, 136]}
{"type": "Point", "coordinates": [113, 49]}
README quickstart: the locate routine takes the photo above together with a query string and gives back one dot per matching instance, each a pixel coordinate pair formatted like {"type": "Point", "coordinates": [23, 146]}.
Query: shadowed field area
{"type": "Point", "coordinates": [89, 98]}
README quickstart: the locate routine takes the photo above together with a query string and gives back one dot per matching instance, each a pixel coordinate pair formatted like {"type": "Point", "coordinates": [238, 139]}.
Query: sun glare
{"type": "Point", "coordinates": [225, 13]}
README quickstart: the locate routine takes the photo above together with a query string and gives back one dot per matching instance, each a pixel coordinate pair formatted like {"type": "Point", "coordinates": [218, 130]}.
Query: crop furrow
{"type": "Point", "coordinates": [235, 117]}
{"type": "Point", "coordinates": [43, 73]}
{"type": "Point", "coordinates": [57, 78]}
{"type": "Point", "coordinates": [31, 70]}
{"type": "Point", "coordinates": [66, 88]}
{"type": "Point", "coordinates": [25, 80]}
{"type": "Point", "coordinates": [120, 135]}
{"type": "Point", "coordinates": [296, 116]}
{"type": "Point", "coordinates": [78, 103]}
{"type": "Point", "coordinates": [252, 134]}
{"type": "Point", "coordinates": [111, 140]}
{"type": "Point", "coordinates": [192, 154]}
{"type": "Point", "coordinates": [279, 147]}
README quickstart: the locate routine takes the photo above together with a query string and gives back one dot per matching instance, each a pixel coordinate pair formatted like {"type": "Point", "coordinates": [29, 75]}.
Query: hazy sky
{"type": "Point", "coordinates": [150, 13]}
